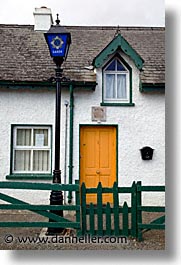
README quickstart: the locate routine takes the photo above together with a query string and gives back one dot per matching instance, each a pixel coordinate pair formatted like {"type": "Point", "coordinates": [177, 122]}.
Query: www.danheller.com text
{"type": "Point", "coordinates": [87, 239]}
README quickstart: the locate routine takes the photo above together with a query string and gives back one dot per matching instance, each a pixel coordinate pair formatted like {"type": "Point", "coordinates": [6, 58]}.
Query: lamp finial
{"type": "Point", "coordinates": [57, 20]}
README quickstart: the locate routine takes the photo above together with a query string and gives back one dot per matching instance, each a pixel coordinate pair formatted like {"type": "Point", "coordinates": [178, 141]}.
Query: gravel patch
{"type": "Point", "coordinates": [10, 237]}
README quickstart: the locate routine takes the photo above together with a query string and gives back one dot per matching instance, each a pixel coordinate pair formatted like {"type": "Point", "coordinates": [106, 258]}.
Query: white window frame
{"type": "Point", "coordinates": [116, 73]}
{"type": "Point", "coordinates": [31, 148]}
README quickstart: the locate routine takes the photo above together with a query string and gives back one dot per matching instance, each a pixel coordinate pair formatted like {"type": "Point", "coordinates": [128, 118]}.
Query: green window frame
{"type": "Point", "coordinates": [31, 152]}
{"type": "Point", "coordinates": [126, 71]}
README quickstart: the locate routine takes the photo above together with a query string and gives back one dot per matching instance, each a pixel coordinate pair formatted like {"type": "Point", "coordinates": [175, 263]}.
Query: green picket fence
{"type": "Point", "coordinates": [94, 219]}
{"type": "Point", "coordinates": [118, 218]}
{"type": "Point", "coordinates": [104, 219]}
{"type": "Point", "coordinates": [43, 210]}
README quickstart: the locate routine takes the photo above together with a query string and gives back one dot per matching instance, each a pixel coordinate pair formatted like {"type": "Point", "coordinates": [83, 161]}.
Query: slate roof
{"type": "Point", "coordinates": [24, 54]}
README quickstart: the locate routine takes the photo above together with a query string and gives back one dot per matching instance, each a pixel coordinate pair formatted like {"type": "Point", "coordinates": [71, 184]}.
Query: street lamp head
{"type": "Point", "coordinates": [58, 40]}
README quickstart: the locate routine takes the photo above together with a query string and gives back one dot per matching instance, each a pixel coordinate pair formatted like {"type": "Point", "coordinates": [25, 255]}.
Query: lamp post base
{"type": "Point", "coordinates": [56, 198]}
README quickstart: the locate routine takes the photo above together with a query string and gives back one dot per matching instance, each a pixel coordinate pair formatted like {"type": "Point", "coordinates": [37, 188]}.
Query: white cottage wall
{"type": "Point", "coordinates": [22, 107]}
{"type": "Point", "coordinates": [138, 126]}
{"type": "Point", "coordinates": [29, 107]}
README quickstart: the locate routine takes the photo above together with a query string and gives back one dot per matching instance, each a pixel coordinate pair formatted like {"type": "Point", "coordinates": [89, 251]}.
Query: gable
{"type": "Point", "coordinates": [118, 43]}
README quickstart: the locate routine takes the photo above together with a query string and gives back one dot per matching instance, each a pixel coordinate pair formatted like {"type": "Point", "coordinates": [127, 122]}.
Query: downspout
{"type": "Point", "coordinates": [71, 140]}
{"type": "Point", "coordinates": [66, 103]}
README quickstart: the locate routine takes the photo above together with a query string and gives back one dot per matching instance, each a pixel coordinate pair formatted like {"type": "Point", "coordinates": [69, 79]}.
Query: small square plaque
{"type": "Point", "coordinates": [98, 114]}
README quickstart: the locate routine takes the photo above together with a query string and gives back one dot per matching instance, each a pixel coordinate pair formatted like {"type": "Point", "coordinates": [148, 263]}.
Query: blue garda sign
{"type": "Point", "coordinates": [57, 44]}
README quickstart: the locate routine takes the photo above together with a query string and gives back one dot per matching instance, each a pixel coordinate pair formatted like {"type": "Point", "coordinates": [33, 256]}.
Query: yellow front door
{"type": "Point", "coordinates": [98, 158]}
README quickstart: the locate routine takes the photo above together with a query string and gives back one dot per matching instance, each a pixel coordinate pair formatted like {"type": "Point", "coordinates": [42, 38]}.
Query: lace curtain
{"type": "Point", "coordinates": [26, 155]}
{"type": "Point", "coordinates": [118, 90]}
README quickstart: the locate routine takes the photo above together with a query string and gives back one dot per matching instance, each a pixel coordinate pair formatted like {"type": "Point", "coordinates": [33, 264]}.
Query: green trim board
{"type": "Point", "coordinates": [149, 87]}
{"type": "Point", "coordinates": [130, 103]}
{"type": "Point", "coordinates": [36, 85]}
{"type": "Point", "coordinates": [118, 104]}
{"type": "Point", "coordinates": [118, 43]}
{"type": "Point", "coordinates": [116, 126]}
{"type": "Point", "coordinates": [29, 176]}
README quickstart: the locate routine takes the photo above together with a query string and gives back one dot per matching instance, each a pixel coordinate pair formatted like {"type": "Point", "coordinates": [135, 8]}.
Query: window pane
{"type": "Point", "coordinates": [41, 161]}
{"type": "Point", "coordinates": [110, 86]}
{"type": "Point", "coordinates": [22, 160]}
{"type": "Point", "coordinates": [121, 86]}
{"type": "Point", "coordinates": [40, 137]}
{"type": "Point", "coordinates": [112, 66]}
{"type": "Point", "coordinates": [120, 67]}
{"type": "Point", "coordinates": [23, 137]}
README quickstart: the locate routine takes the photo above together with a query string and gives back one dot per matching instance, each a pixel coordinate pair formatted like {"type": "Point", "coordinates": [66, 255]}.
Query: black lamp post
{"type": "Point", "coordinates": [58, 40]}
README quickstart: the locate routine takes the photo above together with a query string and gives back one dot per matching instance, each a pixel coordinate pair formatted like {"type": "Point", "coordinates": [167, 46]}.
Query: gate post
{"type": "Point", "coordinates": [139, 211]}
{"type": "Point", "coordinates": [83, 207]}
{"type": "Point", "coordinates": [134, 210]}
{"type": "Point", "coordinates": [77, 199]}
{"type": "Point", "coordinates": [116, 208]}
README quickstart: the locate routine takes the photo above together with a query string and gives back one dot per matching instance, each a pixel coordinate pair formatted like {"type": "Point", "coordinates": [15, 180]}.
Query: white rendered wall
{"type": "Point", "coordinates": [22, 107]}
{"type": "Point", "coordinates": [138, 126]}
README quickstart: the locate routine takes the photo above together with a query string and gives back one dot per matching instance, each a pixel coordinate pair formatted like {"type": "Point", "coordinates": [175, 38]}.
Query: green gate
{"type": "Point", "coordinates": [119, 218]}
{"type": "Point", "coordinates": [43, 210]}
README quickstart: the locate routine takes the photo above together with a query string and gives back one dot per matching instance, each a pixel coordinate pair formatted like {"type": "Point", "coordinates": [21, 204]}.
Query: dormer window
{"type": "Point", "coordinates": [117, 83]}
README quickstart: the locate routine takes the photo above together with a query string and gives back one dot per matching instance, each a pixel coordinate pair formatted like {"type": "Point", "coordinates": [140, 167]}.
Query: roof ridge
{"type": "Point", "coordinates": [16, 25]}
{"type": "Point", "coordinates": [115, 27]}
{"type": "Point", "coordinates": [92, 27]}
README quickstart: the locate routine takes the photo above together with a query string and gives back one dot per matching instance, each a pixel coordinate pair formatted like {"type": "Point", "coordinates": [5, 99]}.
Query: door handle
{"type": "Point", "coordinates": [98, 171]}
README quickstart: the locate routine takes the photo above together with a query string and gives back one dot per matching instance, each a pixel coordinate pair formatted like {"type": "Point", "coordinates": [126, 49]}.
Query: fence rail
{"type": "Point", "coordinates": [38, 186]}
{"type": "Point", "coordinates": [48, 211]}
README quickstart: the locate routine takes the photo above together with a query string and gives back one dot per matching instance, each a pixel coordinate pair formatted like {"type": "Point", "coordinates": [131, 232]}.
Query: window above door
{"type": "Point", "coordinates": [117, 83]}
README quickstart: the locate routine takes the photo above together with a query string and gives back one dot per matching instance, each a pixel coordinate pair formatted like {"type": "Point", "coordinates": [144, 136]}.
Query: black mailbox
{"type": "Point", "coordinates": [147, 153]}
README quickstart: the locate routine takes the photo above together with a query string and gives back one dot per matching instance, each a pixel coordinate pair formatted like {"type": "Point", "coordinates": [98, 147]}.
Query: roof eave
{"type": "Point", "coordinates": [35, 85]}
{"type": "Point", "coordinates": [152, 87]}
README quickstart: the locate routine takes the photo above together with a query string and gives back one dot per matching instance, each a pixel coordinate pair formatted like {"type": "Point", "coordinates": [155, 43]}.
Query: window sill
{"type": "Point", "coordinates": [118, 104]}
{"type": "Point", "coordinates": [29, 176]}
